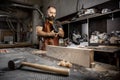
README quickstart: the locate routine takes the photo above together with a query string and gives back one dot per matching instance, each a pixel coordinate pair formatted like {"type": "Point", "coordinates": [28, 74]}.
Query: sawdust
{"type": "Point", "coordinates": [4, 51]}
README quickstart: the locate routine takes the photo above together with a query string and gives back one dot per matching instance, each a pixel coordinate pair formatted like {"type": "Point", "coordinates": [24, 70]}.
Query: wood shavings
{"type": "Point", "coordinates": [65, 64]}
{"type": "Point", "coordinates": [3, 51]}
{"type": "Point", "coordinates": [39, 52]}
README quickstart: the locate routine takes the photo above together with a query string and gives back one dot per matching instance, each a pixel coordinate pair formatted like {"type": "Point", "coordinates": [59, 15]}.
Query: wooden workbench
{"type": "Point", "coordinates": [108, 49]}
{"type": "Point", "coordinates": [81, 56]}
{"type": "Point", "coordinates": [21, 44]}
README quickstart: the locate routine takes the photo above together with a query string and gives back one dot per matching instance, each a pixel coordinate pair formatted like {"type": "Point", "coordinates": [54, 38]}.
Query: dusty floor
{"type": "Point", "coordinates": [99, 72]}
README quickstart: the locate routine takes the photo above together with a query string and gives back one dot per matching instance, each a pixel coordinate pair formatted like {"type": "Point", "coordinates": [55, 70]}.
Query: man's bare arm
{"type": "Point", "coordinates": [40, 32]}
{"type": "Point", "coordinates": [61, 32]}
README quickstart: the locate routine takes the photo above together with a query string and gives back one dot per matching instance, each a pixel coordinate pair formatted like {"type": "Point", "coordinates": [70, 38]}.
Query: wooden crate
{"type": "Point", "coordinates": [79, 56]}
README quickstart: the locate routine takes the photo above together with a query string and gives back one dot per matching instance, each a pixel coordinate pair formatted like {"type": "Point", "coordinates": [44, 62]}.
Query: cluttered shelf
{"type": "Point", "coordinates": [84, 17]}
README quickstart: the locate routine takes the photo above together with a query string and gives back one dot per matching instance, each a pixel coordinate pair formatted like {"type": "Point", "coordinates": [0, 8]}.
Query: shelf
{"type": "Point", "coordinates": [97, 22]}
{"type": "Point", "coordinates": [92, 16]}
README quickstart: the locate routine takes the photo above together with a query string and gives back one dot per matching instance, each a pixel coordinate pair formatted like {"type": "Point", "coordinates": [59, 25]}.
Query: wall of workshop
{"type": "Point", "coordinates": [66, 7]}
{"type": "Point", "coordinates": [113, 25]}
{"type": "Point", "coordinates": [29, 1]}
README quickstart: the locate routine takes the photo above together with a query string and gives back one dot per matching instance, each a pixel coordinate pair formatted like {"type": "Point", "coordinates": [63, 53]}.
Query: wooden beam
{"type": "Point", "coordinates": [79, 56]}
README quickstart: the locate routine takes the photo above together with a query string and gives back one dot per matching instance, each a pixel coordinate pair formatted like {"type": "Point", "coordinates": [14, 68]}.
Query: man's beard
{"type": "Point", "coordinates": [51, 18]}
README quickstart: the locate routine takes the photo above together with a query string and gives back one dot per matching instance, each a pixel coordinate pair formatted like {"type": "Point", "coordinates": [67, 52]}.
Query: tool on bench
{"type": "Point", "coordinates": [19, 62]}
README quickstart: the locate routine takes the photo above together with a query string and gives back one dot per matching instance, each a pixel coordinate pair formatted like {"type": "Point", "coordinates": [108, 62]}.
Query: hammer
{"type": "Point", "coordinates": [19, 62]}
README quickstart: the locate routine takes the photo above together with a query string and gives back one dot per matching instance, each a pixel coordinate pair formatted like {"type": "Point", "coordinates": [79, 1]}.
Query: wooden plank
{"type": "Point", "coordinates": [79, 56]}
{"type": "Point", "coordinates": [22, 44]}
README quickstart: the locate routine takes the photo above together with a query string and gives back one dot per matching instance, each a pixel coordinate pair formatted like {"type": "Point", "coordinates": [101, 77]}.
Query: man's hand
{"type": "Point", "coordinates": [52, 34]}
{"type": "Point", "coordinates": [60, 33]}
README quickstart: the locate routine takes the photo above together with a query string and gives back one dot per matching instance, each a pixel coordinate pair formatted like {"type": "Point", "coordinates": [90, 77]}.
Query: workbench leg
{"type": "Point", "coordinates": [117, 60]}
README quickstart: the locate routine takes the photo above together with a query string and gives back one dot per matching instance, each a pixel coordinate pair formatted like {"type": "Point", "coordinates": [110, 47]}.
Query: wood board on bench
{"type": "Point", "coordinates": [79, 56]}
